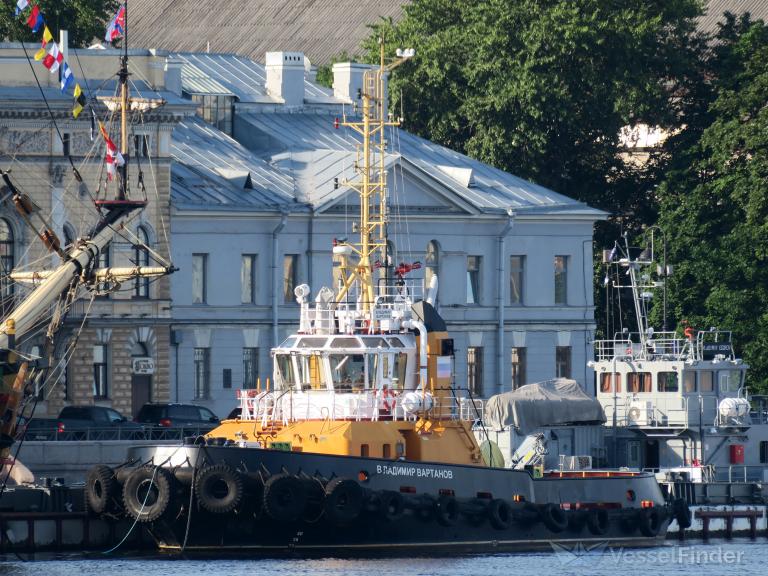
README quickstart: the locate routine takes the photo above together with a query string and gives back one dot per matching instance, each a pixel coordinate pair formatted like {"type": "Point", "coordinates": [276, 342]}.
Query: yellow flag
{"type": "Point", "coordinates": [79, 101]}
{"type": "Point", "coordinates": [47, 36]}
{"type": "Point", "coordinates": [40, 54]}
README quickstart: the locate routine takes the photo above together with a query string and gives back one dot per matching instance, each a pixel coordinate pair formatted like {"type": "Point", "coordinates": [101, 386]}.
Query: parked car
{"type": "Point", "coordinates": [189, 416]}
{"type": "Point", "coordinates": [96, 423]}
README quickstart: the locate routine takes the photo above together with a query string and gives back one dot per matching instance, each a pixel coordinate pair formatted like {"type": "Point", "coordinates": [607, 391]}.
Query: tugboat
{"type": "Point", "coordinates": [363, 444]}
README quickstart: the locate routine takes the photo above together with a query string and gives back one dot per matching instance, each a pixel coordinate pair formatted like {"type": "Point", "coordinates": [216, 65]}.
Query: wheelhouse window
{"type": "Point", "coordinates": [473, 279]}
{"type": "Point", "coordinates": [199, 278]}
{"type": "Point", "coordinates": [563, 361]}
{"type": "Point", "coordinates": [689, 381]}
{"type": "Point", "coordinates": [730, 380]}
{"type": "Point", "coordinates": [475, 370]}
{"type": "Point", "coordinates": [290, 277]}
{"type": "Point", "coordinates": [286, 374]}
{"type": "Point", "coordinates": [639, 382]}
{"type": "Point", "coordinates": [202, 373]}
{"type": "Point", "coordinates": [518, 367]}
{"type": "Point", "coordinates": [561, 280]}
{"type": "Point", "coordinates": [100, 371]}
{"type": "Point", "coordinates": [516, 279]}
{"type": "Point", "coordinates": [667, 382]}
{"type": "Point", "coordinates": [352, 371]}
{"type": "Point", "coordinates": [706, 381]}
{"type": "Point", "coordinates": [610, 382]}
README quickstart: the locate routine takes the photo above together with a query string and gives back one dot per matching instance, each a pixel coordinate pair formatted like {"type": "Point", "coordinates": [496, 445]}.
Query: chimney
{"type": "Point", "coordinates": [348, 80]}
{"type": "Point", "coordinates": [173, 68]}
{"type": "Point", "coordinates": [285, 77]}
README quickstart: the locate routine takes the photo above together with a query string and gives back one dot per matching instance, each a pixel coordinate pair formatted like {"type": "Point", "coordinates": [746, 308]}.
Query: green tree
{"type": "Point", "coordinates": [714, 200]}
{"type": "Point", "coordinates": [542, 89]}
{"type": "Point", "coordinates": [85, 20]}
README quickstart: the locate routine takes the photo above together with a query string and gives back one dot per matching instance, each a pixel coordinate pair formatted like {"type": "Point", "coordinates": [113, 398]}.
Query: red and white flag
{"type": "Point", "coordinates": [114, 158]}
{"type": "Point", "coordinates": [54, 58]}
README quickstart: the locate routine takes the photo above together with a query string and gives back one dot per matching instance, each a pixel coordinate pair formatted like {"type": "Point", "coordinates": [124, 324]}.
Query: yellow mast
{"type": "Point", "coordinates": [372, 182]}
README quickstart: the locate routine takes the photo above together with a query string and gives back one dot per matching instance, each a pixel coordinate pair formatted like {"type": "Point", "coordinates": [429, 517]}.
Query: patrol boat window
{"type": "Point", "coordinates": [349, 371]}
{"type": "Point", "coordinates": [345, 343]}
{"type": "Point", "coordinates": [607, 381]}
{"type": "Point", "coordinates": [285, 370]}
{"type": "Point", "coordinates": [667, 382]}
{"type": "Point", "coordinates": [639, 382]}
{"type": "Point", "coordinates": [706, 381]}
{"type": "Point", "coordinates": [730, 380]}
{"type": "Point", "coordinates": [689, 381]}
{"type": "Point", "coordinates": [311, 343]}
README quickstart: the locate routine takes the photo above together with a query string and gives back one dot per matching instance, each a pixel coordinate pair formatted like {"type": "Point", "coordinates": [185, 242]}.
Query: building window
{"type": "Point", "coordinates": [561, 280]}
{"type": "Point", "coordinates": [104, 262]}
{"type": "Point", "coordinates": [202, 373]}
{"type": "Point", "coordinates": [215, 110]}
{"type": "Point", "coordinates": [475, 370]}
{"type": "Point", "coordinates": [226, 378]}
{"type": "Point", "coordinates": [763, 452]}
{"type": "Point", "coordinates": [473, 279]}
{"type": "Point", "coordinates": [432, 261]}
{"type": "Point", "coordinates": [290, 272]}
{"type": "Point", "coordinates": [141, 258]}
{"type": "Point", "coordinates": [563, 362]}
{"type": "Point", "coordinates": [248, 279]}
{"type": "Point", "coordinates": [141, 146]}
{"type": "Point", "coordinates": [100, 371]}
{"type": "Point", "coordinates": [516, 279]}
{"type": "Point", "coordinates": [250, 368]}
{"type": "Point", "coordinates": [518, 368]}
{"type": "Point", "coordinates": [66, 143]}
{"type": "Point", "coordinates": [6, 260]}
{"type": "Point", "coordinates": [199, 278]}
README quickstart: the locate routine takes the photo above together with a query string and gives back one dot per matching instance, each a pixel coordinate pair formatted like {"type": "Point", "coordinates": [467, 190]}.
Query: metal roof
{"type": "Point", "coordinates": [229, 74]}
{"type": "Point", "coordinates": [210, 170]}
{"type": "Point", "coordinates": [715, 9]}
{"type": "Point", "coordinates": [321, 29]}
{"type": "Point", "coordinates": [309, 145]}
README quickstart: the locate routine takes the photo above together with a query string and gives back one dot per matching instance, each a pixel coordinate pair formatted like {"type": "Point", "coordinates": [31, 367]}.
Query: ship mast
{"type": "Point", "coordinates": [122, 193]}
{"type": "Point", "coordinates": [371, 185]}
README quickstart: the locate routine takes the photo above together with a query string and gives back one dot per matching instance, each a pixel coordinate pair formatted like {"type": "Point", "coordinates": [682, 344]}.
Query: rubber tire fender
{"type": "Point", "coordinates": [343, 500]}
{"type": "Point", "coordinates": [500, 514]}
{"type": "Point", "coordinates": [447, 510]}
{"type": "Point", "coordinates": [210, 480]}
{"type": "Point", "coordinates": [284, 497]}
{"type": "Point", "coordinates": [597, 521]}
{"type": "Point", "coordinates": [315, 506]}
{"type": "Point", "coordinates": [528, 515]}
{"type": "Point", "coordinates": [554, 517]}
{"type": "Point", "coordinates": [133, 499]}
{"type": "Point", "coordinates": [649, 522]}
{"type": "Point", "coordinates": [682, 513]}
{"type": "Point", "coordinates": [100, 488]}
{"type": "Point", "coordinates": [392, 505]}
{"type": "Point", "coordinates": [424, 508]}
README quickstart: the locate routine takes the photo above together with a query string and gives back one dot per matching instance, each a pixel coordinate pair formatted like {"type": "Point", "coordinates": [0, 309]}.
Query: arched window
{"type": "Point", "coordinates": [6, 259]}
{"type": "Point", "coordinates": [141, 258]}
{"type": "Point", "coordinates": [431, 262]}
{"type": "Point", "coordinates": [104, 262]}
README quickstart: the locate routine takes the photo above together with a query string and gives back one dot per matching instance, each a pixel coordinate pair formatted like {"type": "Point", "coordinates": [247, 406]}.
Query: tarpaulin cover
{"type": "Point", "coordinates": [550, 403]}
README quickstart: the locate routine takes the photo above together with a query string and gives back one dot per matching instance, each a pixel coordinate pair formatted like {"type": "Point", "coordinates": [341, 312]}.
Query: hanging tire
{"type": "Point", "coordinates": [682, 513]}
{"type": "Point", "coordinates": [424, 507]}
{"type": "Point", "coordinates": [101, 488]}
{"type": "Point", "coordinates": [284, 498]}
{"type": "Point", "coordinates": [528, 515]}
{"type": "Point", "coordinates": [475, 510]}
{"type": "Point", "coordinates": [343, 501]}
{"type": "Point", "coordinates": [447, 510]}
{"type": "Point", "coordinates": [147, 493]}
{"type": "Point", "coordinates": [392, 505]}
{"type": "Point", "coordinates": [219, 488]}
{"type": "Point", "coordinates": [650, 521]}
{"type": "Point", "coordinates": [554, 517]}
{"type": "Point", "coordinates": [315, 506]}
{"type": "Point", "coordinates": [597, 521]}
{"type": "Point", "coordinates": [373, 503]}
{"type": "Point", "coordinates": [500, 514]}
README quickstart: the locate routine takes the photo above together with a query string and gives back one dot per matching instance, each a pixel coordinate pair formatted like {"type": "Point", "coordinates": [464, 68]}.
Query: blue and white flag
{"type": "Point", "coordinates": [66, 77]}
{"type": "Point", "coordinates": [21, 5]}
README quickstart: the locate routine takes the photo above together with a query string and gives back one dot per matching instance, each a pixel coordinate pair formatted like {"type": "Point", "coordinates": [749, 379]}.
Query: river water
{"type": "Point", "coordinates": [716, 558]}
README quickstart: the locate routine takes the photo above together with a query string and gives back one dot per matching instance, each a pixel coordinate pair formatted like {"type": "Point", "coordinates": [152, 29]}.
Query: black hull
{"type": "Point", "coordinates": [416, 530]}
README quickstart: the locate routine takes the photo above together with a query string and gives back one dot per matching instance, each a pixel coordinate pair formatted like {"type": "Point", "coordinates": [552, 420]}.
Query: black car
{"type": "Point", "coordinates": [188, 416]}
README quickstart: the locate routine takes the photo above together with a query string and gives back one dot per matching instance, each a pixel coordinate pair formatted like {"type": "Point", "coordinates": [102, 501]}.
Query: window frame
{"type": "Point", "coordinates": [473, 276]}
{"type": "Point", "coordinates": [101, 372]}
{"type": "Point", "coordinates": [252, 261]}
{"type": "Point", "coordinates": [141, 258]}
{"type": "Point", "coordinates": [202, 269]}
{"type": "Point", "coordinates": [250, 368]}
{"type": "Point", "coordinates": [561, 280]}
{"type": "Point", "coordinates": [288, 296]}
{"type": "Point", "coordinates": [519, 272]}
{"type": "Point", "coordinates": [202, 370]}
{"type": "Point", "coordinates": [563, 364]}
{"type": "Point", "coordinates": [475, 372]}
{"type": "Point", "coordinates": [518, 366]}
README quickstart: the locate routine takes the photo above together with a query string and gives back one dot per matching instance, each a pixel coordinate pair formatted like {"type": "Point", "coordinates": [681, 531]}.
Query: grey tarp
{"type": "Point", "coordinates": [554, 402]}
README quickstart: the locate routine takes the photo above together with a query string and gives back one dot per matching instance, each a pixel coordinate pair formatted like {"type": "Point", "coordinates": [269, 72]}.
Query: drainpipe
{"type": "Point", "coordinates": [502, 296]}
{"type": "Point", "coordinates": [276, 276]}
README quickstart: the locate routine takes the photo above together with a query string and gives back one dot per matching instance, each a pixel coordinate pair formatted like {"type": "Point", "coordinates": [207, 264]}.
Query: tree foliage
{"type": "Point", "coordinates": [83, 19]}
{"type": "Point", "coordinates": [542, 89]}
{"type": "Point", "coordinates": [714, 200]}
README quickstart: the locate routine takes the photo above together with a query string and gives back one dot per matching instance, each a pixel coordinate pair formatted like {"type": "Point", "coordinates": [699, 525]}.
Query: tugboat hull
{"type": "Point", "coordinates": [352, 506]}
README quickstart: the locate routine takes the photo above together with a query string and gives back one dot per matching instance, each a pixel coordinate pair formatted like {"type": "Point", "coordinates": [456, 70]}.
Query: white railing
{"type": "Point", "coordinates": [663, 345]}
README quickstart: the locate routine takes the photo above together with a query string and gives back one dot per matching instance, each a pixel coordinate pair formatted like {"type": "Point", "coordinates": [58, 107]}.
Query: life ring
{"type": "Point", "coordinates": [284, 498]}
{"type": "Point", "coordinates": [100, 488]}
{"type": "Point", "coordinates": [597, 521]}
{"type": "Point", "coordinates": [424, 507]}
{"type": "Point", "coordinates": [389, 399]}
{"type": "Point", "coordinates": [392, 505]}
{"type": "Point", "coordinates": [650, 521]}
{"type": "Point", "coordinates": [682, 513]}
{"type": "Point", "coordinates": [554, 517]}
{"type": "Point", "coordinates": [219, 488]}
{"type": "Point", "coordinates": [343, 500]}
{"type": "Point", "coordinates": [447, 510]}
{"type": "Point", "coordinates": [500, 514]}
{"type": "Point", "coordinates": [147, 493]}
